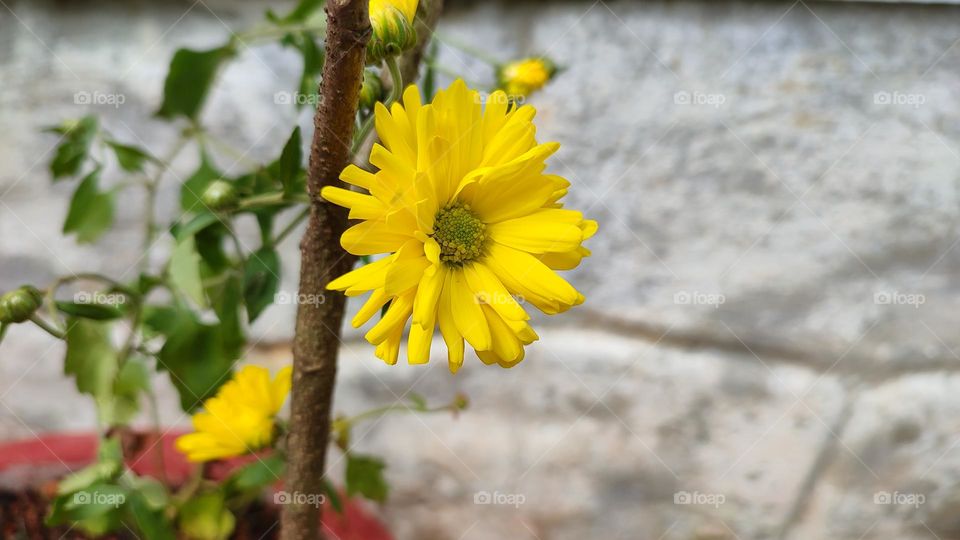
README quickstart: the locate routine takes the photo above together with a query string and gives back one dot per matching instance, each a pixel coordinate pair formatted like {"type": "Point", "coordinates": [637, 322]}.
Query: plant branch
{"type": "Point", "coordinates": [317, 336]}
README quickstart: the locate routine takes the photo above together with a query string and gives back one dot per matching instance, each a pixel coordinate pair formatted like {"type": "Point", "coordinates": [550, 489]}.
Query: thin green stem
{"type": "Point", "coordinates": [3, 331]}
{"type": "Point", "coordinates": [278, 31]}
{"type": "Point", "coordinates": [397, 407]}
{"type": "Point", "coordinates": [47, 327]}
{"type": "Point", "coordinates": [152, 187]}
{"type": "Point", "coordinates": [292, 226]}
{"type": "Point", "coordinates": [278, 198]}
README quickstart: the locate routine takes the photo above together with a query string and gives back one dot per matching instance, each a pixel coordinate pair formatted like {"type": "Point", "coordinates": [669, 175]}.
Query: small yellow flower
{"type": "Point", "coordinates": [471, 222]}
{"type": "Point", "coordinates": [393, 31]}
{"type": "Point", "coordinates": [521, 78]}
{"type": "Point", "coordinates": [240, 418]}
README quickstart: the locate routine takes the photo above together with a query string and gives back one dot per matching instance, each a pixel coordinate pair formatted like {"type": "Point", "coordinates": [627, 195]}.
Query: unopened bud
{"type": "Point", "coordinates": [19, 305]}
{"type": "Point", "coordinates": [393, 31]}
{"type": "Point", "coordinates": [219, 195]}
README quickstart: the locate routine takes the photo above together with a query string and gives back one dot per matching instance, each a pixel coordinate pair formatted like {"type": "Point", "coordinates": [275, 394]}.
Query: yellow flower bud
{"type": "Point", "coordinates": [521, 78]}
{"type": "Point", "coordinates": [393, 31]}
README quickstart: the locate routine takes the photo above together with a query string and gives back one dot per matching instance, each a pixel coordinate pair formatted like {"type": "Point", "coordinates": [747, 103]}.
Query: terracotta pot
{"type": "Point", "coordinates": [31, 463]}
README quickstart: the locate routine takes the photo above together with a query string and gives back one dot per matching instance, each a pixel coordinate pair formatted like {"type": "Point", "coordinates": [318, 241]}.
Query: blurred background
{"type": "Point", "coordinates": [769, 347]}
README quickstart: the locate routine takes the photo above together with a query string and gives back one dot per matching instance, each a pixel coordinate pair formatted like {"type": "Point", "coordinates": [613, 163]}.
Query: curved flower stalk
{"type": "Point", "coordinates": [470, 223]}
{"type": "Point", "coordinates": [240, 419]}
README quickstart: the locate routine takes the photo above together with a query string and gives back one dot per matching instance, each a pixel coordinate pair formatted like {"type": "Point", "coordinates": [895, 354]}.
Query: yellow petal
{"type": "Point", "coordinates": [543, 231]}
{"type": "Point", "coordinates": [526, 276]}
{"type": "Point", "coordinates": [467, 313]}
{"type": "Point", "coordinates": [371, 238]}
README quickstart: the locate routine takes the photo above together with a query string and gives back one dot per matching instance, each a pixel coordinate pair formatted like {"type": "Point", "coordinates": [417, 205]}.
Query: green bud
{"type": "Point", "coordinates": [372, 90]}
{"type": "Point", "coordinates": [393, 33]}
{"type": "Point", "coordinates": [220, 195]}
{"type": "Point", "coordinates": [19, 305]}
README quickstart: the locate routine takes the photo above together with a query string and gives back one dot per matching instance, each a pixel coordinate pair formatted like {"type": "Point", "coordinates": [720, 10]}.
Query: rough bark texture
{"type": "Point", "coordinates": [427, 18]}
{"type": "Point", "coordinates": [317, 336]}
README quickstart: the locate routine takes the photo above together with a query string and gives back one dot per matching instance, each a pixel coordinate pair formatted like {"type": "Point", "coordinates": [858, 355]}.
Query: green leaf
{"type": "Point", "coordinates": [131, 158]}
{"type": "Point", "coordinates": [206, 517]}
{"type": "Point", "coordinates": [97, 312]}
{"type": "Point", "coordinates": [192, 189]}
{"type": "Point", "coordinates": [313, 58]}
{"type": "Point", "coordinates": [153, 492]}
{"type": "Point", "coordinates": [86, 477]}
{"type": "Point", "coordinates": [189, 79]}
{"type": "Point", "coordinates": [91, 358]}
{"type": "Point", "coordinates": [184, 270]}
{"type": "Point", "coordinates": [289, 164]}
{"type": "Point", "coordinates": [261, 280]}
{"type": "Point", "coordinates": [124, 402]}
{"type": "Point", "coordinates": [333, 496]}
{"type": "Point", "coordinates": [196, 224]}
{"type": "Point", "coordinates": [91, 211]}
{"type": "Point", "coordinates": [152, 522]}
{"type": "Point", "coordinates": [75, 146]}
{"type": "Point", "coordinates": [198, 356]}
{"type": "Point", "coordinates": [257, 475]}
{"type": "Point", "coordinates": [365, 476]}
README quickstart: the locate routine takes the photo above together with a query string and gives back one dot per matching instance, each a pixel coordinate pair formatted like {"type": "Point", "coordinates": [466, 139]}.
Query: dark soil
{"type": "Point", "coordinates": [22, 514]}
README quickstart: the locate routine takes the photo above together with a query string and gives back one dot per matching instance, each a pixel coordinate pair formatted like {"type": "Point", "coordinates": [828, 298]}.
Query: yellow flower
{"type": "Point", "coordinates": [381, 9]}
{"type": "Point", "coordinates": [240, 418]}
{"type": "Point", "coordinates": [521, 78]}
{"type": "Point", "coordinates": [470, 221]}
{"type": "Point", "coordinates": [393, 31]}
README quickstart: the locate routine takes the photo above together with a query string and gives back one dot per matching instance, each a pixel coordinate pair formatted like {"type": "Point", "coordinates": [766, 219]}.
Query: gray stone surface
{"type": "Point", "coordinates": [770, 321]}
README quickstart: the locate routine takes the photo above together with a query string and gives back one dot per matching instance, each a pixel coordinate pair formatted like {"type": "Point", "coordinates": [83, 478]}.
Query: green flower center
{"type": "Point", "coordinates": [460, 234]}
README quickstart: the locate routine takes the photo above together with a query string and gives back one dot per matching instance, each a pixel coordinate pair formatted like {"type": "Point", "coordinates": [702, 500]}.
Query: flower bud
{"type": "Point", "coordinates": [19, 305]}
{"type": "Point", "coordinates": [220, 195]}
{"type": "Point", "coordinates": [521, 78]}
{"type": "Point", "coordinates": [393, 31]}
{"type": "Point", "coordinates": [372, 90]}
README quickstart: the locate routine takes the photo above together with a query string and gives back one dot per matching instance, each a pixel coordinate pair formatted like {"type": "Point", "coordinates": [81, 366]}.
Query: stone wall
{"type": "Point", "coordinates": [770, 331]}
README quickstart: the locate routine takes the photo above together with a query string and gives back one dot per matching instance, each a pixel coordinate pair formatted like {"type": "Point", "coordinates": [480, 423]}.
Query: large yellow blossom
{"type": "Point", "coordinates": [471, 223]}
{"type": "Point", "coordinates": [240, 418]}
